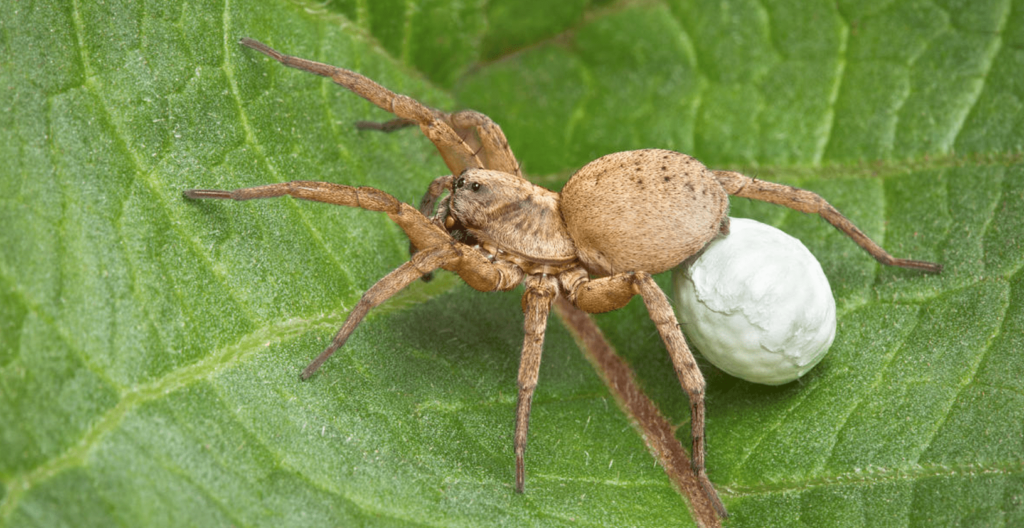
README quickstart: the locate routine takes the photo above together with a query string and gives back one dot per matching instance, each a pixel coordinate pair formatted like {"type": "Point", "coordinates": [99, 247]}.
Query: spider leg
{"type": "Point", "coordinates": [686, 370]}
{"type": "Point", "coordinates": [480, 133]}
{"type": "Point", "coordinates": [436, 247]}
{"type": "Point", "coordinates": [473, 267]}
{"type": "Point", "coordinates": [479, 273]}
{"type": "Point", "coordinates": [422, 263]}
{"type": "Point", "coordinates": [540, 291]}
{"type": "Point", "coordinates": [421, 231]}
{"type": "Point", "coordinates": [611, 293]}
{"type": "Point", "coordinates": [809, 202]}
{"type": "Point", "coordinates": [434, 191]}
{"type": "Point", "coordinates": [491, 145]}
{"type": "Point", "coordinates": [457, 154]}
{"type": "Point", "coordinates": [386, 126]}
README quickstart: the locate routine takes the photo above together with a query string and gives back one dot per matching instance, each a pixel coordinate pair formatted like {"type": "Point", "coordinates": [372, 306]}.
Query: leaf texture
{"type": "Point", "coordinates": [150, 346]}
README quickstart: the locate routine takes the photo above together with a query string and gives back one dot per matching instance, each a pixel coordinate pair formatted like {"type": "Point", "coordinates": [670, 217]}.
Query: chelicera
{"type": "Point", "coordinates": [619, 219]}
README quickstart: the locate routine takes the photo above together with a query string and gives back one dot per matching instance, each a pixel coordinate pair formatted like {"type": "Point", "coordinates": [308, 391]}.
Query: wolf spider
{"type": "Point", "coordinates": [619, 220]}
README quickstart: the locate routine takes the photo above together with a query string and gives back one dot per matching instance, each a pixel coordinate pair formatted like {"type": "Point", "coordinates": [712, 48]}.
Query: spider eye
{"type": "Point", "coordinates": [460, 183]}
{"type": "Point", "coordinates": [476, 186]}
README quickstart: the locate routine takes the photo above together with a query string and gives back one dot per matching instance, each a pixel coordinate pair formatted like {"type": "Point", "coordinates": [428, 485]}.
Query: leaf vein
{"type": "Point", "coordinates": [877, 475]}
{"type": "Point", "coordinates": [830, 109]}
{"type": "Point", "coordinates": [36, 308]}
{"type": "Point", "coordinates": [862, 397]}
{"type": "Point", "coordinates": [175, 469]}
{"type": "Point", "coordinates": [216, 362]}
{"type": "Point", "coordinates": [702, 85]}
{"type": "Point", "coordinates": [143, 174]}
{"type": "Point", "coordinates": [300, 475]}
{"type": "Point", "coordinates": [833, 96]}
{"type": "Point", "coordinates": [767, 431]}
{"type": "Point", "coordinates": [973, 371]}
{"type": "Point", "coordinates": [988, 61]}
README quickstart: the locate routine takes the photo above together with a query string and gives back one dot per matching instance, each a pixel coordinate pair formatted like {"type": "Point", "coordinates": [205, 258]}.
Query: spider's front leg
{"type": "Point", "coordinates": [437, 249]}
{"type": "Point", "coordinates": [474, 268]}
{"type": "Point", "coordinates": [451, 134]}
{"type": "Point", "coordinates": [611, 293]}
{"type": "Point", "coordinates": [483, 136]}
{"type": "Point", "coordinates": [487, 139]}
{"type": "Point", "coordinates": [540, 291]}
{"type": "Point", "coordinates": [434, 191]}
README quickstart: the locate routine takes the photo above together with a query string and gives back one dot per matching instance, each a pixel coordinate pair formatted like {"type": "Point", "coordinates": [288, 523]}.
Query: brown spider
{"type": "Point", "coordinates": [619, 219]}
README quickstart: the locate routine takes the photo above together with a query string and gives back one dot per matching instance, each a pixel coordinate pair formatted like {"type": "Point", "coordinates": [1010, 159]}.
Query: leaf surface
{"type": "Point", "coordinates": [150, 346]}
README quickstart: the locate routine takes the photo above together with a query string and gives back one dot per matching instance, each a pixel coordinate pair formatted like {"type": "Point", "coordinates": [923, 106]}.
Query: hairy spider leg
{"type": "Point", "coordinates": [480, 132]}
{"type": "Point", "coordinates": [385, 126]}
{"type": "Point", "coordinates": [540, 292]}
{"type": "Point", "coordinates": [434, 191]}
{"type": "Point", "coordinates": [490, 142]}
{"type": "Point", "coordinates": [605, 294]}
{"type": "Point", "coordinates": [457, 154]}
{"type": "Point", "coordinates": [439, 250]}
{"type": "Point", "coordinates": [806, 201]}
{"type": "Point", "coordinates": [422, 263]}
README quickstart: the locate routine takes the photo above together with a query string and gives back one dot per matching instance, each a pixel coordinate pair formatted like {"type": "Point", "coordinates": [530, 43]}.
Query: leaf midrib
{"type": "Point", "coordinates": [878, 475]}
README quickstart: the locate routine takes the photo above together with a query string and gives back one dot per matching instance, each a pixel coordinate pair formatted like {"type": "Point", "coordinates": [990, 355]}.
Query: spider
{"type": "Point", "coordinates": [619, 220]}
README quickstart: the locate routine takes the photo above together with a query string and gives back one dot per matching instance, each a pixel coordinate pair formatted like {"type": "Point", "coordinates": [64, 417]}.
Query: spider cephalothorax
{"type": "Point", "coordinates": [618, 220]}
{"type": "Point", "coordinates": [510, 216]}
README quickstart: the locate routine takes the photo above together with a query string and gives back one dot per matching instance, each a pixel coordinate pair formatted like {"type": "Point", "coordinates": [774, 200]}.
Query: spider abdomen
{"type": "Point", "coordinates": [642, 210]}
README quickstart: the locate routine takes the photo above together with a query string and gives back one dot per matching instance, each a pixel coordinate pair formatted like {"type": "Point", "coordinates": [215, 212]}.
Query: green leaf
{"type": "Point", "coordinates": [150, 346]}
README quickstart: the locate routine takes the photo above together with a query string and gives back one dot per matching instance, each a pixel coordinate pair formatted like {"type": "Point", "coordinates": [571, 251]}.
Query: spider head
{"type": "Point", "coordinates": [511, 213]}
{"type": "Point", "coordinates": [480, 198]}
